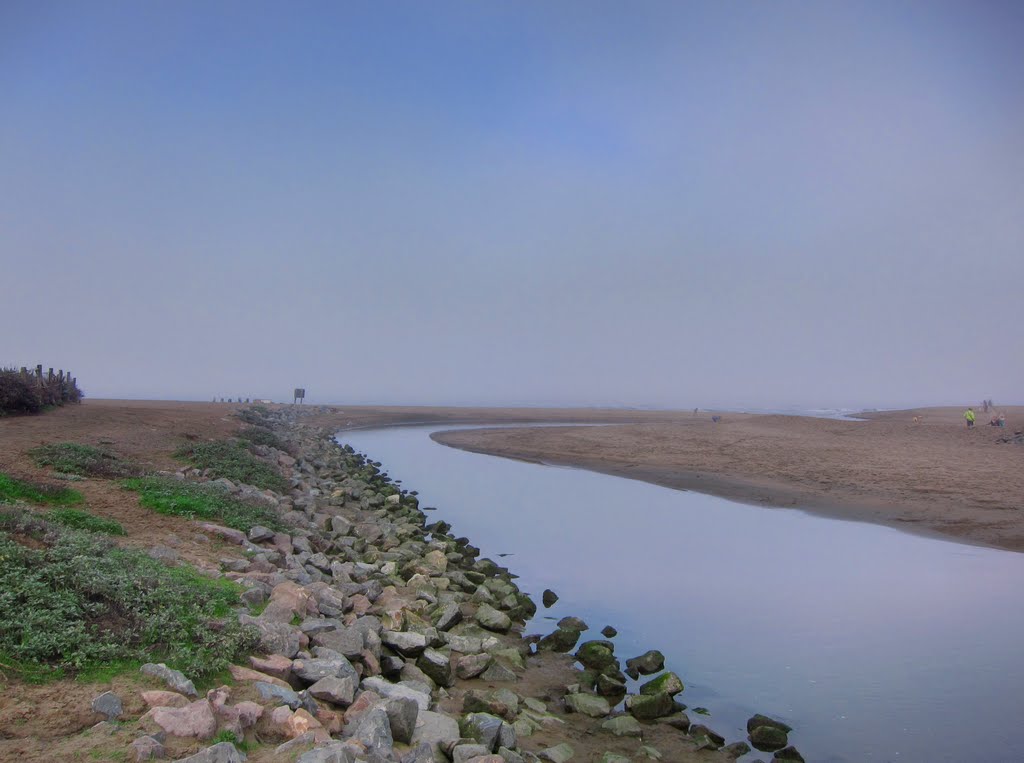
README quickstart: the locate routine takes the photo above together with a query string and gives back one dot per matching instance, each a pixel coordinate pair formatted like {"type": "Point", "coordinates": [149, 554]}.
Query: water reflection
{"type": "Point", "coordinates": [873, 644]}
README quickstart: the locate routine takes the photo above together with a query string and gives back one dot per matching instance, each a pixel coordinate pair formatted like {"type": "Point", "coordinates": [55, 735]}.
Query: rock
{"type": "Point", "coordinates": [560, 753]}
{"type": "Point", "coordinates": [573, 623]}
{"type": "Point", "coordinates": [163, 554]}
{"type": "Point", "coordinates": [407, 644]}
{"type": "Point", "coordinates": [272, 691]}
{"type": "Point", "coordinates": [421, 753]}
{"type": "Point", "coordinates": [768, 738]}
{"type": "Point", "coordinates": [311, 671]}
{"type": "Point", "coordinates": [788, 753]}
{"type": "Point", "coordinates": [588, 704]}
{"type": "Point", "coordinates": [434, 729]}
{"type": "Point", "coordinates": [275, 637]}
{"type": "Point", "coordinates": [503, 703]}
{"type": "Point", "coordinates": [736, 749]}
{"type": "Point", "coordinates": [548, 598]}
{"type": "Point", "coordinates": [437, 666]}
{"type": "Point", "coordinates": [373, 731]}
{"type": "Point", "coordinates": [612, 757]}
{"type": "Point", "coordinates": [156, 698]}
{"type": "Point", "coordinates": [498, 672]}
{"type": "Point", "coordinates": [463, 753]}
{"type": "Point", "coordinates": [472, 665]}
{"type": "Point", "coordinates": [597, 655]}
{"type": "Point", "coordinates": [646, 664]}
{"type": "Point", "coordinates": [388, 689]}
{"type": "Point", "coordinates": [195, 720]}
{"type": "Point", "coordinates": [337, 691]}
{"type": "Point", "coordinates": [483, 727]}
{"type": "Point", "coordinates": [608, 686]}
{"type": "Point", "coordinates": [493, 620]}
{"type": "Point", "coordinates": [510, 756]}
{"type": "Point", "coordinates": [295, 746]}
{"type": "Point", "coordinates": [402, 714]}
{"type": "Point", "coordinates": [623, 726]}
{"type": "Point", "coordinates": [561, 640]}
{"type": "Point", "coordinates": [173, 678]}
{"type": "Point", "coordinates": [336, 752]}
{"type": "Point", "coordinates": [108, 704]}
{"type": "Point", "coordinates": [450, 616]}
{"type": "Point", "coordinates": [148, 748]}
{"type": "Point", "coordinates": [247, 674]}
{"type": "Point", "coordinates": [764, 720]}
{"type": "Point", "coordinates": [259, 533]}
{"type": "Point", "coordinates": [283, 722]}
{"type": "Point", "coordinates": [698, 730]}
{"type": "Point", "coordinates": [609, 632]}
{"type": "Point", "coordinates": [679, 721]}
{"type": "Point", "coordinates": [223, 752]}
{"type": "Point", "coordinates": [647, 707]}
{"type": "Point", "coordinates": [668, 683]}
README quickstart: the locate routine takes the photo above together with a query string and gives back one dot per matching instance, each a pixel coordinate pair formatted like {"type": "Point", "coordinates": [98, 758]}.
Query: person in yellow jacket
{"type": "Point", "coordinates": [969, 416]}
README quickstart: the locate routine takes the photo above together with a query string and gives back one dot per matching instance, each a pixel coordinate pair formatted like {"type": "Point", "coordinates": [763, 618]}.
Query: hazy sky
{"type": "Point", "coordinates": [627, 203]}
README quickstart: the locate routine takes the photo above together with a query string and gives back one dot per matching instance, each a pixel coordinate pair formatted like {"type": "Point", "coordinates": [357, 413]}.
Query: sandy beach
{"type": "Point", "coordinates": [933, 475]}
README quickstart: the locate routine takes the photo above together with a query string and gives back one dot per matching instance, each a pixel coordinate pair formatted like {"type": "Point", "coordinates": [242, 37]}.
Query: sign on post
{"type": "Point", "coordinates": [299, 395]}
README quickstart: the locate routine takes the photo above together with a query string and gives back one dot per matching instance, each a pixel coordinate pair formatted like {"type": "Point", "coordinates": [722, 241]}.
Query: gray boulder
{"type": "Point", "coordinates": [492, 619]}
{"type": "Point", "coordinates": [108, 704]}
{"type": "Point", "coordinates": [173, 678]}
{"type": "Point", "coordinates": [402, 714]}
{"type": "Point", "coordinates": [437, 666]}
{"type": "Point", "coordinates": [646, 664]}
{"type": "Point", "coordinates": [373, 730]}
{"type": "Point", "coordinates": [338, 691]}
{"type": "Point", "coordinates": [483, 727]}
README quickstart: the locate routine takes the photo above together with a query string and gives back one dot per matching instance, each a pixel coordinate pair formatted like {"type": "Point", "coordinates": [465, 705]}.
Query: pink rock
{"type": "Point", "coordinates": [231, 536]}
{"type": "Point", "coordinates": [196, 720]}
{"type": "Point", "coordinates": [363, 702]}
{"type": "Point", "coordinates": [249, 713]}
{"type": "Point", "coordinates": [284, 722]}
{"type": "Point", "coordinates": [218, 697]}
{"type": "Point", "coordinates": [245, 674]}
{"type": "Point", "coordinates": [360, 604]}
{"type": "Point", "coordinates": [163, 699]}
{"type": "Point", "coordinates": [370, 662]}
{"type": "Point", "coordinates": [332, 720]}
{"type": "Point", "coordinates": [283, 543]}
{"type": "Point", "coordinates": [276, 665]}
{"type": "Point", "coordinates": [286, 601]}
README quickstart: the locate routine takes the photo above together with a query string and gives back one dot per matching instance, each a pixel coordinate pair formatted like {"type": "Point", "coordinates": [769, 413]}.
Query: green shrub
{"type": "Point", "coordinates": [263, 436]}
{"type": "Point", "coordinates": [231, 459]}
{"type": "Point", "coordinates": [74, 601]}
{"type": "Point", "coordinates": [257, 415]}
{"type": "Point", "coordinates": [194, 500]}
{"type": "Point", "coordinates": [75, 458]}
{"type": "Point", "coordinates": [12, 489]}
{"type": "Point", "coordinates": [83, 520]}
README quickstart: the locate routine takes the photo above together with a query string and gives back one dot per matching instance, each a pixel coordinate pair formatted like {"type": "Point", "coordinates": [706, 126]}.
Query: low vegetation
{"type": "Point", "coordinates": [231, 459]}
{"type": "Point", "coordinates": [12, 490]}
{"type": "Point", "coordinates": [263, 436]}
{"type": "Point", "coordinates": [194, 500]}
{"type": "Point", "coordinates": [73, 602]}
{"type": "Point", "coordinates": [27, 393]}
{"type": "Point", "coordinates": [83, 520]}
{"type": "Point", "coordinates": [84, 460]}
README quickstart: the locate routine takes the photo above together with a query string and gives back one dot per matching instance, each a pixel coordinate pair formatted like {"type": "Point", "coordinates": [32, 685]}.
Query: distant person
{"type": "Point", "coordinates": [695, 411]}
{"type": "Point", "coordinates": [1002, 419]}
{"type": "Point", "coordinates": [969, 417]}
{"type": "Point", "coordinates": [984, 405]}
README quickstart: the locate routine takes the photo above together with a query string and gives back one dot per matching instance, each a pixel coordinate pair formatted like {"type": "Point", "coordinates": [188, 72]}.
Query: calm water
{"type": "Point", "coordinates": [873, 644]}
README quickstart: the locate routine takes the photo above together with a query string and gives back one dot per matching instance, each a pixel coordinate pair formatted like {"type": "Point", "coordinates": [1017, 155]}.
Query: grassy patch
{"type": "Point", "coordinates": [75, 458]}
{"type": "Point", "coordinates": [167, 495]}
{"type": "Point", "coordinates": [12, 489]}
{"type": "Point", "coordinates": [231, 459]}
{"type": "Point", "coordinates": [83, 520]}
{"type": "Point", "coordinates": [74, 602]}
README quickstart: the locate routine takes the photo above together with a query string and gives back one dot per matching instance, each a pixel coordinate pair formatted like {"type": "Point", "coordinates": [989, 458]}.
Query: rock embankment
{"type": "Point", "coordinates": [387, 638]}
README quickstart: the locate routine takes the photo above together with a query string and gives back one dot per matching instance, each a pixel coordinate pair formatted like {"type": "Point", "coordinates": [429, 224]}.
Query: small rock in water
{"type": "Point", "coordinates": [548, 598]}
{"type": "Point", "coordinates": [789, 753]}
{"type": "Point", "coordinates": [647, 663]}
{"type": "Point", "coordinates": [609, 632]}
